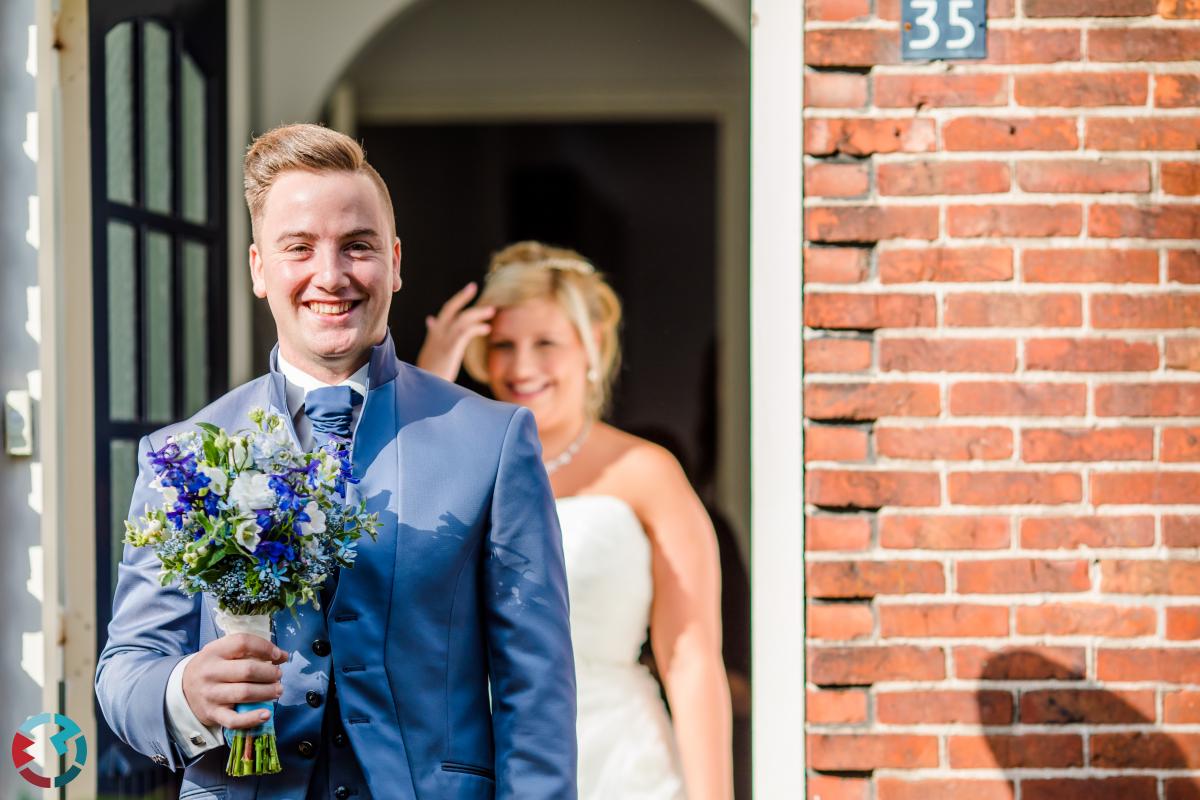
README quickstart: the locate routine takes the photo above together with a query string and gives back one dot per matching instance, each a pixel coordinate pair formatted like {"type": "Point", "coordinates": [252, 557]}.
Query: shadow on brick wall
{"type": "Point", "coordinates": [1122, 728]}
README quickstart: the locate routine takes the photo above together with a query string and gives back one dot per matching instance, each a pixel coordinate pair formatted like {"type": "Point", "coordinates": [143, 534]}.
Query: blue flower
{"type": "Point", "coordinates": [273, 551]}
{"type": "Point", "coordinates": [274, 573]}
{"type": "Point", "coordinates": [309, 471]}
{"type": "Point", "coordinates": [289, 500]}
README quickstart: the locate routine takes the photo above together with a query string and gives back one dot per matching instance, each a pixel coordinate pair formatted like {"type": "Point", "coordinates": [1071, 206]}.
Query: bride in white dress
{"type": "Point", "coordinates": [640, 549]}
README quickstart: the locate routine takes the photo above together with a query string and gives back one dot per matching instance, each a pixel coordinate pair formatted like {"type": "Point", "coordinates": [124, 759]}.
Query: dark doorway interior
{"type": "Point", "coordinates": [638, 199]}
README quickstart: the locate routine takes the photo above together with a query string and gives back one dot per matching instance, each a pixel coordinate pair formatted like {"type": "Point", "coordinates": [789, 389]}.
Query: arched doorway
{"type": "Point", "coordinates": [619, 129]}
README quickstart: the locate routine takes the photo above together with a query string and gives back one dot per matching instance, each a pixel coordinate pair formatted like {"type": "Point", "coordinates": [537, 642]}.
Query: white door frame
{"type": "Point", "coordinates": [776, 412]}
{"type": "Point", "coordinates": [66, 424]}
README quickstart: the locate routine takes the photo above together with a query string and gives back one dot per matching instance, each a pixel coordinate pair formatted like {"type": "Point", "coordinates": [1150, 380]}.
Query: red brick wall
{"type": "Point", "coordinates": [1003, 412]}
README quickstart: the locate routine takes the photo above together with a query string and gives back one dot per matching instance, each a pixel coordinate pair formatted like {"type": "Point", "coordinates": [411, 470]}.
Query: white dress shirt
{"type": "Point", "coordinates": [193, 736]}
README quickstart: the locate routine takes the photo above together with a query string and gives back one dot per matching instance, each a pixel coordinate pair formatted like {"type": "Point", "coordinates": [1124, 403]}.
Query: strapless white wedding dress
{"type": "Point", "coordinates": [626, 745]}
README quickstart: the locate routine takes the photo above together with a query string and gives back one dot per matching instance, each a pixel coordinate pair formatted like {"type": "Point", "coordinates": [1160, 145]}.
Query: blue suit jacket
{"type": "Point", "coordinates": [465, 585]}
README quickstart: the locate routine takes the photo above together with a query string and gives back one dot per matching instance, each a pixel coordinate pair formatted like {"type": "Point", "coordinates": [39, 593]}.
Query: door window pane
{"type": "Point", "coordinates": [123, 470]}
{"type": "Point", "coordinates": [122, 322]}
{"type": "Point", "coordinates": [156, 116]}
{"type": "Point", "coordinates": [159, 330]}
{"type": "Point", "coordinates": [195, 326]}
{"type": "Point", "coordinates": [195, 125]}
{"type": "Point", "coordinates": [118, 111]}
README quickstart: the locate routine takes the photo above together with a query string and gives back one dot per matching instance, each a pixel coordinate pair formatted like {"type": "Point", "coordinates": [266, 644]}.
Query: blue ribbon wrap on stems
{"type": "Point", "coordinates": [252, 751]}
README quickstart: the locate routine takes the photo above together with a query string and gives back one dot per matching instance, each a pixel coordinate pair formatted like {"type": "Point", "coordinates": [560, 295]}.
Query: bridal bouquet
{"type": "Point", "coordinates": [257, 523]}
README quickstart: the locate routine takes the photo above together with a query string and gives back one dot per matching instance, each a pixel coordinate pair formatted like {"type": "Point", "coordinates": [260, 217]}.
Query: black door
{"type": "Point", "coordinates": [158, 99]}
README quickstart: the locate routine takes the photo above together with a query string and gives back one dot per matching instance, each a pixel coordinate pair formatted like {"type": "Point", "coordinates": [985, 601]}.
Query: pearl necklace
{"type": "Point", "coordinates": [564, 458]}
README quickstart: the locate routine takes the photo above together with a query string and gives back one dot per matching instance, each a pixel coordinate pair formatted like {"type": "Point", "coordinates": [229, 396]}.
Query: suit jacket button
{"type": "Point", "coordinates": [313, 699]}
{"type": "Point", "coordinates": [339, 739]}
{"type": "Point", "coordinates": [320, 647]}
{"type": "Point", "coordinates": [306, 749]}
{"type": "Point", "coordinates": [341, 793]}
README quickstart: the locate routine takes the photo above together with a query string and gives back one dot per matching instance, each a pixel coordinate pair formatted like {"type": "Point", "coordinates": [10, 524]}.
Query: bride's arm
{"type": "Point", "coordinates": [685, 623]}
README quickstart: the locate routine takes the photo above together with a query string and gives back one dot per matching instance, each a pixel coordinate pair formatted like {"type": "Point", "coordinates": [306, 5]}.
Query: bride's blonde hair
{"type": "Point", "coordinates": [531, 271]}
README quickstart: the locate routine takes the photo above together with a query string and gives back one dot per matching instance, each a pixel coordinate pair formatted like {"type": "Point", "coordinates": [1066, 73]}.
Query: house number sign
{"type": "Point", "coordinates": [950, 29]}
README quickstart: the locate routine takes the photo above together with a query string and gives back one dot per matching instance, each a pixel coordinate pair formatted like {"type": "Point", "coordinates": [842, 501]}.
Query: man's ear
{"type": "Point", "coordinates": [257, 280]}
{"type": "Point", "coordinates": [396, 265]}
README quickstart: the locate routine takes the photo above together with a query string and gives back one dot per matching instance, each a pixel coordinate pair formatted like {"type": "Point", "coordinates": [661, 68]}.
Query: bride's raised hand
{"type": "Point", "coordinates": [447, 334]}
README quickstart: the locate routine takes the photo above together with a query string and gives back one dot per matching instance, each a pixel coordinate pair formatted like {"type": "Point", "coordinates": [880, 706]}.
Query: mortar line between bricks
{"type": "Point", "coordinates": [1098, 68]}
{"type": "Point", "coordinates": [1021, 24]}
{"type": "Point", "coordinates": [1001, 334]}
{"type": "Point", "coordinates": [997, 199]}
{"type": "Point", "coordinates": [1005, 466]}
{"type": "Point", "coordinates": [1026, 773]}
{"type": "Point", "coordinates": [976, 729]}
{"type": "Point", "coordinates": [1073, 509]}
{"type": "Point", "coordinates": [1041, 377]}
{"type": "Point", "coordinates": [1125, 601]}
{"type": "Point", "coordinates": [1022, 156]}
{"type": "Point", "coordinates": [1025, 113]}
{"type": "Point", "coordinates": [1007, 199]}
{"type": "Point", "coordinates": [927, 287]}
{"type": "Point", "coordinates": [1014, 290]}
{"type": "Point", "coordinates": [1001, 331]}
{"type": "Point", "coordinates": [885, 555]}
{"type": "Point", "coordinates": [1006, 556]}
{"type": "Point", "coordinates": [941, 202]}
{"type": "Point", "coordinates": [951, 683]}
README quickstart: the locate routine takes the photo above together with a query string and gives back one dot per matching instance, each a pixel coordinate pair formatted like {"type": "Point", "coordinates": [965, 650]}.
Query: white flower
{"type": "Point", "coordinates": [218, 480]}
{"type": "Point", "coordinates": [239, 456]}
{"type": "Point", "coordinates": [316, 520]}
{"type": "Point", "coordinates": [170, 493]}
{"type": "Point", "coordinates": [247, 533]}
{"type": "Point", "coordinates": [267, 446]}
{"type": "Point", "coordinates": [251, 491]}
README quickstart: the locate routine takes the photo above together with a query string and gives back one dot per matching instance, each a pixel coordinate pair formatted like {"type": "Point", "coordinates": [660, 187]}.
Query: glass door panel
{"type": "Point", "coordinates": [159, 242]}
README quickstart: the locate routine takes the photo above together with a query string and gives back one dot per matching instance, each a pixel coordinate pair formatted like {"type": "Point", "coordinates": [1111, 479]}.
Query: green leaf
{"type": "Point", "coordinates": [208, 426]}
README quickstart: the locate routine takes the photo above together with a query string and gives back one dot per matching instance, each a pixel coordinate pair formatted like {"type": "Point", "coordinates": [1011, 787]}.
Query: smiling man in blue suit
{"type": "Point", "coordinates": [384, 693]}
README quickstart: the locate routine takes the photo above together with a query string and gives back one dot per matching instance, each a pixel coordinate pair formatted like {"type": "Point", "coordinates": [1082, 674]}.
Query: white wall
{"type": "Point", "coordinates": [21, 655]}
{"type": "Point", "coordinates": [303, 46]}
{"type": "Point", "coordinates": [618, 55]}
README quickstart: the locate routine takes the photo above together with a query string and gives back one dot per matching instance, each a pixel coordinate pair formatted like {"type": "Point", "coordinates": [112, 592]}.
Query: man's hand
{"type": "Point", "coordinates": [240, 668]}
{"type": "Point", "coordinates": [448, 334]}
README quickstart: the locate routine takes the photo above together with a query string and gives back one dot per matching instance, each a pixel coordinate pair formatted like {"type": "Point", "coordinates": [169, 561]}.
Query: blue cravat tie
{"type": "Point", "coordinates": [330, 409]}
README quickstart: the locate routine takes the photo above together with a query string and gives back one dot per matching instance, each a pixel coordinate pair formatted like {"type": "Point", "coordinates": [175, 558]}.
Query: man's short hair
{"type": "Point", "coordinates": [303, 146]}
